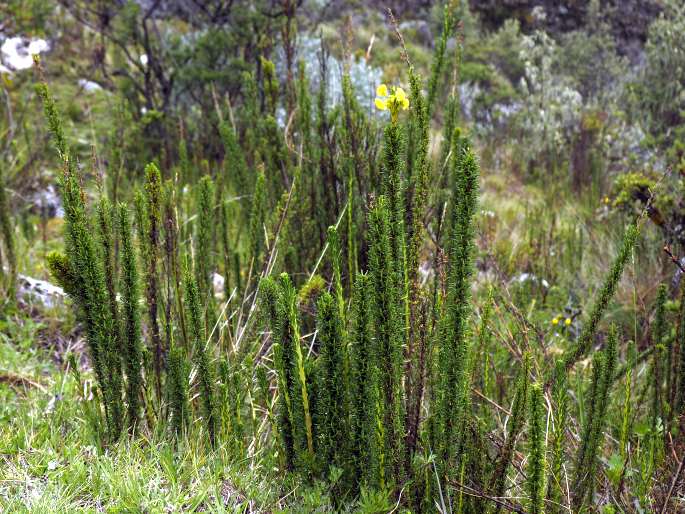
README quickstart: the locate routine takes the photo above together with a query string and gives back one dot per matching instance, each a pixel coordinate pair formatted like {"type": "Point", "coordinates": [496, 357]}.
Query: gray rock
{"type": "Point", "coordinates": [46, 202]}
{"type": "Point", "coordinates": [32, 290]}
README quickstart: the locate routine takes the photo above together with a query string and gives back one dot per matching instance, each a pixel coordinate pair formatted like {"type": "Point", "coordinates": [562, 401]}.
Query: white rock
{"type": "Point", "coordinates": [218, 283]}
{"type": "Point", "coordinates": [32, 289]}
{"type": "Point", "coordinates": [524, 277]}
{"type": "Point", "coordinates": [89, 85]}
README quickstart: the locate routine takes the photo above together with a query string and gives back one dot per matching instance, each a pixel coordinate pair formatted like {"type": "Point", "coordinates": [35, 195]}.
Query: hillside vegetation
{"type": "Point", "coordinates": [302, 256]}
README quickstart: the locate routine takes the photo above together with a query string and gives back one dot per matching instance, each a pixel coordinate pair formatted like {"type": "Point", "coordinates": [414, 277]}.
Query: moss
{"type": "Point", "coordinates": [631, 187]}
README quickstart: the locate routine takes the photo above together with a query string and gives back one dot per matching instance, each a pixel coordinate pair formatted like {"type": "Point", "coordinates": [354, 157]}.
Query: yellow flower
{"type": "Point", "coordinates": [555, 321]}
{"type": "Point", "coordinates": [394, 102]}
{"type": "Point", "coordinates": [401, 98]}
{"type": "Point", "coordinates": [567, 322]}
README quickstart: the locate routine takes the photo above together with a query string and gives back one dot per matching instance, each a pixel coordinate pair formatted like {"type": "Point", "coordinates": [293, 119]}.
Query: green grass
{"type": "Point", "coordinates": [50, 460]}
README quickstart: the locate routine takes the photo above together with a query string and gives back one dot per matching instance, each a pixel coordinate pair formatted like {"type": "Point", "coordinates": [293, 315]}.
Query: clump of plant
{"type": "Point", "coordinates": [9, 259]}
{"type": "Point", "coordinates": [351, 348]}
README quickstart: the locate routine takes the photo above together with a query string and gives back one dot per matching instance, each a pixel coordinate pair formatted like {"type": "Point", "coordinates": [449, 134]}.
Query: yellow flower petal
{"type": "Point", "coordinates": [382, 90]}
{"type": "Point", "coordinates": [400, 94]}
{"type": "Point", "coordinates": [567, 322]}
{"type": "Point", "coordinates": [405, 104]}
{"type": "Point", "coordinates": [381, 104]}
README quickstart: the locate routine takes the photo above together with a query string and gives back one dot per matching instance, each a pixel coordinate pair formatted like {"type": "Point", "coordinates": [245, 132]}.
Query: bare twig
{"type": "Point", "coordinates": [675, 259]}
{"type": "Point", "coordinates": [491, 402]}
{"type": "Point", "coordinates": [367, 55]}
{"type": "Point", "coordinates": [396, 26]}
{"type": "Point", "coordinates": [480, 494]}
{"type": "Point", "coordinates": [16, 381]}
{"type": "Point", "coordinates": [219, 114]}
{"type": "Point", "coordinates": [676, 477]}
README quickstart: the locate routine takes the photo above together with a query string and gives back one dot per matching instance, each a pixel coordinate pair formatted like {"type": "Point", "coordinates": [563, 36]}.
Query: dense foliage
{"type": "Point", "coordinates": [370, 305]}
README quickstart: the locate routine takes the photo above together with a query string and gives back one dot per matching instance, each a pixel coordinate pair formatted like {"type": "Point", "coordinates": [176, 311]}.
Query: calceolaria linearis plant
{"type": "Point", "coordinates": [312, 297]}
{"type": "Point", "coordinates": [8, 279]}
